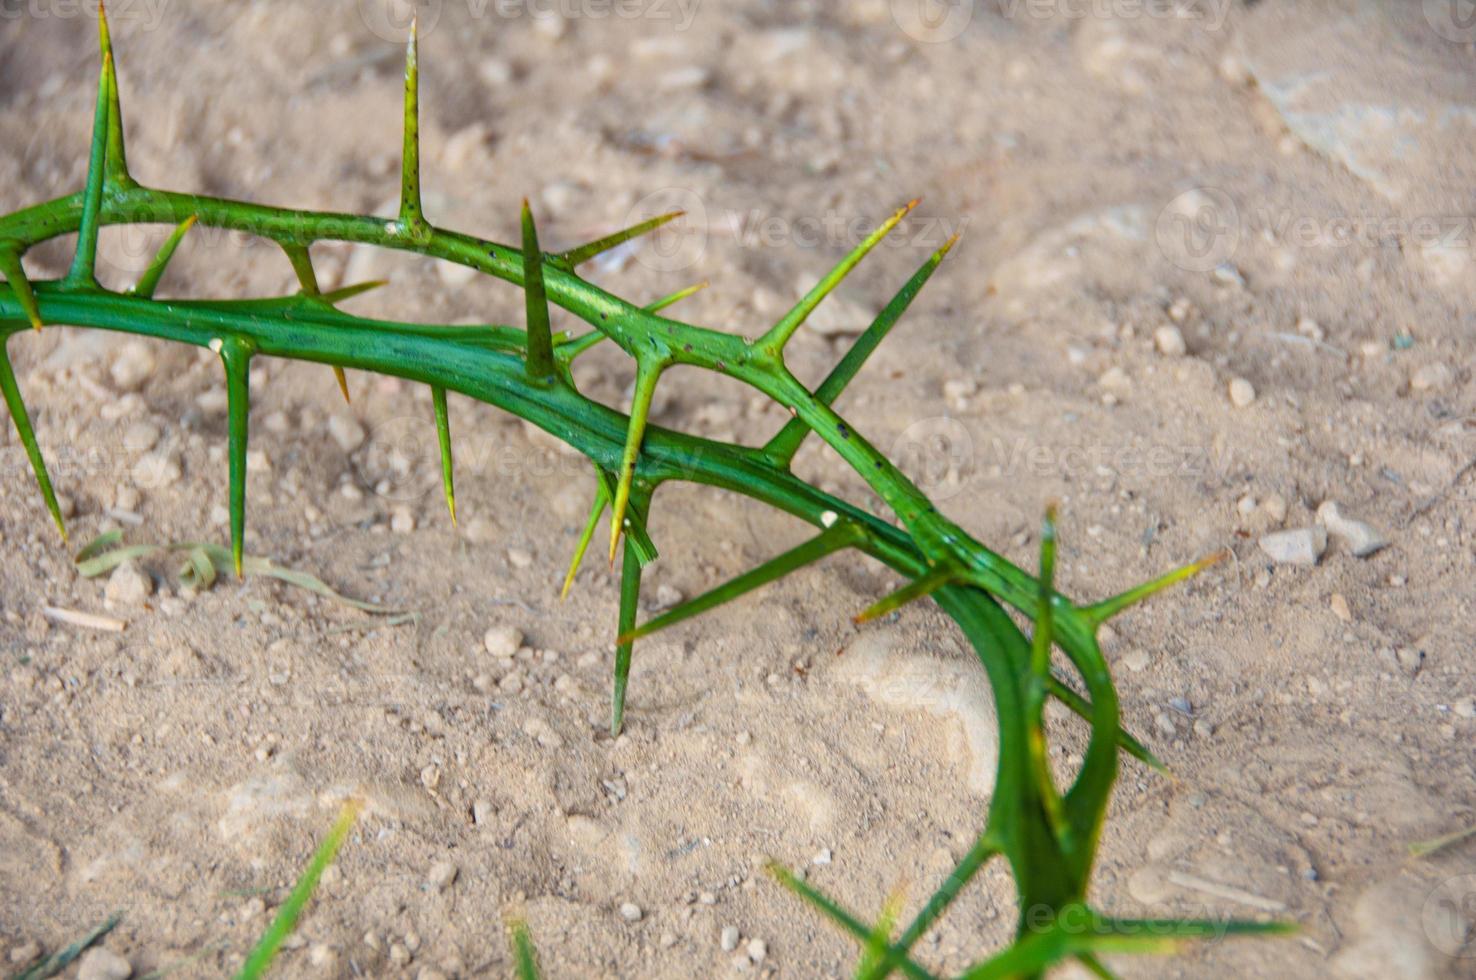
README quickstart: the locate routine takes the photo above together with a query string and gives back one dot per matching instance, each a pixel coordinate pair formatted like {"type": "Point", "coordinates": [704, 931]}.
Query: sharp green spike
{"type": "Point", "coordinates": [676, 297]}
{"type": "Point", "coordinates": [783, 446]}
{"type": "Point", "coordinates": [912, 591]}
{"type": "Point", "coordinates": [307, 279]}
{"type": "Point", "coordinates": [827, 543]}
{"type": "Point", "coordinates": [412, 217]}
{"type": "Point", "coordinates": [443, 433]}
{"type": "Point", "coordinates": [1102, 611]}
{"type": "Point", "coordinates": [235, 354]}
{"type": "Point", "coordinates": [117, 158]}
{"type": "Point", "coordinates": [578, 256]}
{"type": "Point", "coordinates": [648, 373]}
{"type": "Point", "coordinates": [540, 335]}
{"type": "Point", "coordinates": [880, 940]}
{"type": "Point", "coordinates": [1081, 707]}
{"type": "Point", "coordinates": [83, 274]}
{"type": "Point", "coordinates": [601, 501]}
{"type": "Point", "coordinates": [773, 342]}
{"type": "Point", "coordinates": [22, 420]}
{"type": "Point", "coordinates": [1041, 641]}
{"type": "Point", "coordinates": [859, 930]}
{"type": "Point", "coordinates": [978, 856]}
{"type": "Point", "coordinates": [149, 281]}
{"type": "Point", "coordinates": [15, 274]}
{"type": "Point", "coordinates": [630, 594]}
{"type": "Point", "coordinates": [635, 523]}
{"type": "Point", "coordinates": [1096, 967]}
{"type": "Point", "coordinates": [345, 293]}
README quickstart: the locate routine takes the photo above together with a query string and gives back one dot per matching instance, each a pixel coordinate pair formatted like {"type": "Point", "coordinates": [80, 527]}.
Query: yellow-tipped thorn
{"type": "Point", "coordinates": [342, 384]}
{"type": "Point", "coordinates": [1102, 611]}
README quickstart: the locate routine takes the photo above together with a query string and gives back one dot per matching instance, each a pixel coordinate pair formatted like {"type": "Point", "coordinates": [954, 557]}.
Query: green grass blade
{"type": "Point", "coordinates": [443, 435]}
{"type": "Point", "coordinates": [784, 445]}
{"type": "Point", "coordinates": [524, 954]}
{"type": "Point", "coordinates": [827, 543]}
{"type": "Point", "coordinates": [15, 274]}
{"type": "Point", "coordinates": [630, 595]}
{"type": "Point", "coordinates": [578, 256]}
{"type": "Point", "coordinates": [286, 921]}
{"type": "Point", "coordinates": [149, 281]}
{"type": "Point", "coordinates": [236, 357]}
{"type": "Point", "coordinates": [779, 335]}
{"type": "Point", "coordinates": [22, 419]}
{"type": "Point", "coordinates": [540, 333]}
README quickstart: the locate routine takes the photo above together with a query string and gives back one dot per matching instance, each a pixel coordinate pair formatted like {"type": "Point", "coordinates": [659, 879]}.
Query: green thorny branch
{"type": "Point", "coordinates": [1048, 837]}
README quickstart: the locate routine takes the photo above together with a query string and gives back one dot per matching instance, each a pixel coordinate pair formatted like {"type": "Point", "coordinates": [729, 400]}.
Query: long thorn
{"type": "Point", "coordinates": [648, 373]}
{"type": "Point", "coordinates": [1080, 706]}
{"type": "Point", "coordinates": [540, 334]}
{"type": "Point", "coordinates": [977, 857]}
{"type": "Point", "coordinates": [1042, 642]}
{"type": "Point", "coordinates": [15, 274]}
{"type": "Point", "coordinates": [1100, 612]}
{"type": "Point", "coordinates": [344, 293]}
{"type": "Point", "coordinates": [83, 274]}
{"type": "Point", "coordinates": [412, 217]}
{"type": "Point", "coordinates": [578, 256]}
{"type": "Point", "coordinates": [149, 281]}
{"type": "Point", "coordinates": [307, 280]}
{"type": "Point", "coordinates": [676, 297]}
{"type": "Point", "coordinates": [443, 433]}
{"type": "Point", "coordinates": [601, 501]}
{"type": "Point", "coordinates": [117, 158]}
{"type": "Point", "coordinates": [22, 420]}
{"type": "Point", "coordinates": [774, 341]}
{"type": "Point", "coordinates": [827, 543]}
{"type": "Point", "coordinates": [236, 356]}
{"type": "Point", "coordinates": [630, 594]}
{"type": "Point", "coordinates": [787, 442]}
{"type": "Point", "coordinates": [912, 591]}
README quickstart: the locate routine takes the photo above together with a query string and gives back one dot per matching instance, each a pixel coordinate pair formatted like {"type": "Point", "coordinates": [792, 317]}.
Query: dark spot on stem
{"type": "Point", "coordinates": [843, 429]}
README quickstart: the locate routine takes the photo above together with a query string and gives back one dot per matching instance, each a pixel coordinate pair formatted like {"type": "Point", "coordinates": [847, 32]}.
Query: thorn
{"type": "Point", "coordinates": [776, 338]}
{"type": "Point", "coordinates": [342, 380]}
{"type": "Point", "coordinates": [912, 591]}
{"type": "Point", "coordinates": [149, 281]}
{"type": "Point", "coordinates": [15, 274]}
{"type": "Point", "coordinates": [540, 335]}
{"type": "Point", "coordinates": [630, 594]}
{"type": "Point", "coordinates": [1102, 611]}
{"type": "Point", "coordinates": [22, 419]}
{"type": "Point", "coordinates": [412, 217]}
{"type": "Point", "coordinates": [576, 257]}
{"type": "Point", "coordinates": [443, 433]}
{"type": "Point", "coordinates": [648, 373]}
{"type": "Point", "coordinates": [117, 159]}
{"type": "Point", "coordinates": [601, 501]}
{"type": "Point", "coordinates": [83, 274]}
{"type": "Point", "coordinates": [676, 297]}
{"type": "Point", "coordinates": [345, 293]}
{"type": "Point", "coordinates": [235, 355]}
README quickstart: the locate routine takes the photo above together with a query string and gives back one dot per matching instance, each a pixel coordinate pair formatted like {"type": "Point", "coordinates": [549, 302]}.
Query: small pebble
{"type": "Point", "coordinates": [1431, 377]}
{"type": "Point", "coordinates": [728, 939]}
{"type": "Point", "coordinates": [483, 812]}
{"type": "Point", "coordinates": [25, 953]}
{"type": "Point", "coordinates": [667, 597]}
{"type": "Point", "coordinates": [1310, 329]}
{"type": "Point", "coordinates": [1300, 546]}
{"type": "Point", "coordinates": [346, 432]}
{"type": "Point", "coordinates": [1362, 539]}
{"type": "Point", "coordinates": [503, 641]}
{"type": "Point", "coordinates": [1340, 608]}
{"type": "Point", "coordinates": [823, 857]}
{"type": "Point", "coordinates": [1135, 660]}
{"type": "Point", "coordinates": [128, 586]}
{"type": "Point", "coordinates": [1275, 507]}
{"type": "Point", "coordinates": [1114, 379]}
{"type": "Point", "coordinates": [402, 522]}
{"type": "Point", "coordinates": [630, 912]}
{"type": "Point", "coordinates": [101, 963]}
{"type": "Point", "coordinates": [1465, 708]}
{"type": "Point", "coordinates": [442, 875]}
{"type": "Point", "coordinates": [132, 367]}
{"type": "Point", "coordinates": [1242, 393]}
{"type": "Point", "coordinates": [1170, 341]}
{"type": "Point", "coordinates": [757, 950]}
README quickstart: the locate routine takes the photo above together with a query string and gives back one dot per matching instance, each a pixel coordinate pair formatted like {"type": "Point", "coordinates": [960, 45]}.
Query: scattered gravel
{"type": "Point", "coordinates": [346, 432]}
{"type": "Point", "coordinates": [442, 875]}
{"type": "Point", "coordinates": [1300, 546]}
{"type": "Point", "coordinates": [1170, 341]}
{"type": "Point", "coordinates": [728, 938]}
{"type": "Point", "coordinates": [101, 963]}
{"type": "Point", "coordinates": [1361, 538]}
{"type": "Point", "coordinates": [1242, 393]}
{"type": "Point", "coordinates": [128, 586]}
{"type": "Point", "coordinates": [503, 641]}
{"type": "Point", "coordinates": [630, 912]}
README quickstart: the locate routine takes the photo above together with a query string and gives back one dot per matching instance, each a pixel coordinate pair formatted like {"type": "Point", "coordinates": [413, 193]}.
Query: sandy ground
{"type": "Point", "coordinates": [1154, 208]}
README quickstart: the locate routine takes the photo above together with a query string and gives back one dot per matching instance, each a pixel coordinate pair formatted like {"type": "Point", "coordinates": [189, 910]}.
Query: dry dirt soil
{"type": "Point", "coordinates": [1215, 272]}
